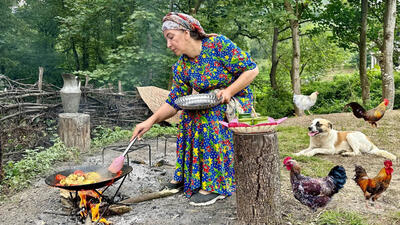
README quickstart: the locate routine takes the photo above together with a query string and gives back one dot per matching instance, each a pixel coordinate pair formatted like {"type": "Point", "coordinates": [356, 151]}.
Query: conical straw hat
{"type": "Point", "coordinates": [154, 97]}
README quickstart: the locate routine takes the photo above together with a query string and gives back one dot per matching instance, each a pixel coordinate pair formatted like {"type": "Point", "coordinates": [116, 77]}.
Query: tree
{"type": "Point", "coordinates": [387, 70]}
{"type": "Point", "coordinates": [363, 52]}
{"type": "Point", "coordinates": [349, 22]}
{"type": "Point", "coordinates": [295, 70]}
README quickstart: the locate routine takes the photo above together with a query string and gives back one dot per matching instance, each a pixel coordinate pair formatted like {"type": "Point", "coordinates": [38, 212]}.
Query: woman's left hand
{"type": "Point", "coordinates": [226, 96]}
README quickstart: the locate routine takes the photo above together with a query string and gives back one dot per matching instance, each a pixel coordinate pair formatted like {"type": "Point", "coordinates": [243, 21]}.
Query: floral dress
{"type": "Point", "coordinates": [204, 147]}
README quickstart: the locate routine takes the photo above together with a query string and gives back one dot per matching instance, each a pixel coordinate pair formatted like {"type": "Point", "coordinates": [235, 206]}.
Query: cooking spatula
{"type": "Point", "coordinates": [118, 163]}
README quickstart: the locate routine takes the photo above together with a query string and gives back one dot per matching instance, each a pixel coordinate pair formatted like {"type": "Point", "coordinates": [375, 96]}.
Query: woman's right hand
{"type": "Point", "coordinates": [141, 129]}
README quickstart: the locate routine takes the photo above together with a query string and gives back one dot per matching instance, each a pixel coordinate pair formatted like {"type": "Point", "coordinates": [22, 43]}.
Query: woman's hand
{"type": "Point", "coordinates": [226, 96]}
{"type": "Point", "coordinates": [141, 129]}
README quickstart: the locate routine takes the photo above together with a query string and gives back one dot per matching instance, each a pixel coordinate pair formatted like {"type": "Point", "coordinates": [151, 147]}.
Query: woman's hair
{"type": "Point", "coordinates": [195, 35]}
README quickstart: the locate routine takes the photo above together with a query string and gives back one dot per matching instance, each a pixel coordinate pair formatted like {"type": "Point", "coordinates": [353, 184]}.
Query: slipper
{"type": "Point", "coordinates": [171, 186]}
{"type": "Point", "coordinates": [199, 199]}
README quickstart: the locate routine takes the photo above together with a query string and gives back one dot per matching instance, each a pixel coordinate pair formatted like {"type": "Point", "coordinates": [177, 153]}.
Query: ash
{"type": "Point", "coordinates": [41, 204]}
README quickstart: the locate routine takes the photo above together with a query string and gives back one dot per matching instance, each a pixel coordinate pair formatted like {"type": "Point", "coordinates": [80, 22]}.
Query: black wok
{"type": "Point", "coordinates": [107, 177]}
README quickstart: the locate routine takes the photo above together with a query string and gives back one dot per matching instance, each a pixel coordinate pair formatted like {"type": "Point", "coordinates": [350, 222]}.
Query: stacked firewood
{"type": "Point", "coordinates": [106, 107]}
{"type": "Point", "coordinates": [28, 110]}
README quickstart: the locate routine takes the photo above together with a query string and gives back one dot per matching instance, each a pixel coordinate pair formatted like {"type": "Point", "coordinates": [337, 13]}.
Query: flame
{"type": "Point", "coordinates": [86, 205]}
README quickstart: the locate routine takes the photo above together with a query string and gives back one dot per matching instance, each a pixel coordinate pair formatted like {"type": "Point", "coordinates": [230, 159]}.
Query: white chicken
{"type": "Point", "coordinates": [305, 102]}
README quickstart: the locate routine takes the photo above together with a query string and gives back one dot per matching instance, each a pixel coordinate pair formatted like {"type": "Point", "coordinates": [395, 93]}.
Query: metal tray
{"type": "Point", "coordinates": [198, 101]}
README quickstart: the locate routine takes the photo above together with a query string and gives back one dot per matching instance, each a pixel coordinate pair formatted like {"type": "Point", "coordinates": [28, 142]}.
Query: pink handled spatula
{"type": "Point", "coordinates": [118, 163]}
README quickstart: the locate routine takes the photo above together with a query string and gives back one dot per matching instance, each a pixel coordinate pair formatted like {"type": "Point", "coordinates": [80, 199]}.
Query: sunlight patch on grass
{"type": "Point", "coordinates": [332, 217]}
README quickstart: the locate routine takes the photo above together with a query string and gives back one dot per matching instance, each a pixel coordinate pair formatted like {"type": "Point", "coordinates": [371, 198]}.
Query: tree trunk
{"type": "Point", "coordinates": [149, 49]}
{"type": "Point", "coordinates": [76, 56]}
{"type": "Point", "coordinates": [274, 60]}
{"type": "Point", "coordinates": [387, 73]}
{"type": "Point", "coordinates": [295, 71]}
{"type": "Point", "coordinates": [257, 177]}
{"type": "Point", "coordinates": [85, 54]}
{"type": "Point", "coordinates": [74, 130]}
{"type": "Point", "coordinates": [363, 53]}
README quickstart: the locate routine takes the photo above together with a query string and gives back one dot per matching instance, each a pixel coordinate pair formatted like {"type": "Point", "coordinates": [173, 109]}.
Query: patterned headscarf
{"type": "Point", "coordinates": [181, 21]}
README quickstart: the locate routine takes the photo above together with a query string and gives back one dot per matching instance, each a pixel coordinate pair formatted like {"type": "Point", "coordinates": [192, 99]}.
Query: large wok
{"type": "Point", "coordinates": [107, 177]}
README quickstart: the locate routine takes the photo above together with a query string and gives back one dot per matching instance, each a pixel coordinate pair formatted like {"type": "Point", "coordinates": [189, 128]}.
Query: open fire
{"type": "Point", "coordinates": [90, 206]}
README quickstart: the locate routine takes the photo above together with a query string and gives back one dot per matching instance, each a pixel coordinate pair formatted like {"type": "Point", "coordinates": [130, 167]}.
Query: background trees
{"type": "Point", "coordinates": [295, 43]}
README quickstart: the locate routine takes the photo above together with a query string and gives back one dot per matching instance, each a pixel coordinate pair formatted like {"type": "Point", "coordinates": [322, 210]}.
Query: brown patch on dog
{"type": "Point", "coordinates": [341, 137]}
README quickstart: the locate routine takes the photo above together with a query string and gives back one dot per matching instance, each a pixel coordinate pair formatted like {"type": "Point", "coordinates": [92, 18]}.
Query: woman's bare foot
{"type": "Point", "coordinates": [203, 192]}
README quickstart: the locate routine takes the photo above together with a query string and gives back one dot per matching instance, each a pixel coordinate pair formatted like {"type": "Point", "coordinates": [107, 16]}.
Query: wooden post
{"type": "Point", "coordinates": [120, 87]}
{"type": "Point", "coordinates": [74, 130]}
{"type": "Point", "coordinates": [40, 84]}
{"type": "Point", "coordinates": [257, 177]}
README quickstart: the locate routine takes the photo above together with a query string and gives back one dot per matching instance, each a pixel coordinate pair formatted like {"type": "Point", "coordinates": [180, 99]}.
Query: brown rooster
{"type": "Point", "coordinates": [372, 115]}
{"type": "Point", "coordinates": [374, 187]}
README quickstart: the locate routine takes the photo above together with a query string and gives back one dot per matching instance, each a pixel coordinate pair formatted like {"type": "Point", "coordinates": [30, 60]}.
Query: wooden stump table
{"type": "Point", "coordinates": [74, 130]}
{"type": "Point", "coordinates": [257, 177]}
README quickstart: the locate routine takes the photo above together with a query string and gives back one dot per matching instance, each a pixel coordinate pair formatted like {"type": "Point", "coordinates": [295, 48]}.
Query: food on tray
{"type": "Point", "coordinates": [254, 121]}
{"type": "Point", "coordinates": [244, 115]}
{"type": "Point", "coordinates": [78, 178]}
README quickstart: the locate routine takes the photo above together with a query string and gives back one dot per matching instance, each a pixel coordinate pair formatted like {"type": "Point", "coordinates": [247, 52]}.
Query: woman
{"type": "Point", "coordinates": [208, 62]}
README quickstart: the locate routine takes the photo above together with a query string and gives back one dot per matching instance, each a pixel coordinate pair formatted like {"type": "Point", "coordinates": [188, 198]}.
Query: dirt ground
{"type": "Point", "coordinates": [41, 205]}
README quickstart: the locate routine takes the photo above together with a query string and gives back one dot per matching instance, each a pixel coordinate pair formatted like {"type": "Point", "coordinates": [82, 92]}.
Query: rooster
{"type": "Point", "coordinates": [305, 102]}
{"type": "Point", "coordinates": [314, 192]}
{"type": "Point", "coordinates": [372, 115]}
{"type": "Point", "coordinates": [373, 187]}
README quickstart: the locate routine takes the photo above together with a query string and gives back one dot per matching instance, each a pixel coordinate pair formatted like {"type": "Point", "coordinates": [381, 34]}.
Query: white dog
{"type": "Point", "coordinates": [325, 140]}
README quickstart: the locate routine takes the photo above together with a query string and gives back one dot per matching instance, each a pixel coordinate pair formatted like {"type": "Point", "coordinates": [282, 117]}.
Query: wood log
{"type": "Point", "coordinates": [74, 130]}
{"type": "Point", "coordinates": [257, 177]}
{"type": "Point", "coordinates": [149, 196]}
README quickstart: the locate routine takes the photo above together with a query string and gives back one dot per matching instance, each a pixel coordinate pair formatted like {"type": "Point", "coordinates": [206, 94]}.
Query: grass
{"type": "Point", "coordinates": [348, 206]}
{"type": "Point", "coordinates": [332, 217]}
{"type": "Point", "coordinates": [293, 138]}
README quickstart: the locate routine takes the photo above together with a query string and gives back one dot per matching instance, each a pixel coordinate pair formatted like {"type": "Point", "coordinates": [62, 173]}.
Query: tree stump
{"type": "Point", "coordinates": [74, 130]}
{"type": "Point", "coordinates": [257, 177]}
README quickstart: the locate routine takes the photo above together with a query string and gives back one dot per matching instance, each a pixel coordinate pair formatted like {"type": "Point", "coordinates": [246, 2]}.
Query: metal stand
{"type": "Point", "coordinates": [165, 143]}
{"type": "Point", "coordinates": [133, 148]}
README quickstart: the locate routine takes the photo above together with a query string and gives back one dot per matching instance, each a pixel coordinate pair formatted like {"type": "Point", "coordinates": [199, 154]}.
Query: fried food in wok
{"type": "Point", "coordinates": [80, 178]}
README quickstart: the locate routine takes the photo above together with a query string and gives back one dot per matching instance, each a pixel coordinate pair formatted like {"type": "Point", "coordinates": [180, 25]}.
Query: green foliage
{"type": "Point", "coordinates": [346, 88]}
{"type": "Point", "coordinates": [18, 175]}
{"type": "Point", "coordinates": [160, 131]}
{"type": "Point", "coordinates": [104, 136]}
{"type": "Point", "coordinates": [333, 217]}
{"type": "Point", "coordinates": [275, 104]}
{"type": "Point", "coordinates": [333, 95]}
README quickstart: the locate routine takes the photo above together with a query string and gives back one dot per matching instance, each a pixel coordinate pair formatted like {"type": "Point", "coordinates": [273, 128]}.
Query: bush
{"type": "Point", "coordinates": [333, 95]}
{"type": "Point", "coordinates": [18, 175]}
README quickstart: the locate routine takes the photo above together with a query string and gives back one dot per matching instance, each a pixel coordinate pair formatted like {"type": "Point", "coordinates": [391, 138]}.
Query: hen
{"type": "Point", "coordinates": [372, 115]}
{"type": "Point", "coordinates": [315, 192]}
{"type": "Point", "coordinates": [373, 187]}
{"type": "Point", "coordinates": [305, 102]}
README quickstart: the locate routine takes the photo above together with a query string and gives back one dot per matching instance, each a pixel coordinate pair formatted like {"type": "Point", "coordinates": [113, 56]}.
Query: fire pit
{"type": "Point", "coordinates": [89, 197]}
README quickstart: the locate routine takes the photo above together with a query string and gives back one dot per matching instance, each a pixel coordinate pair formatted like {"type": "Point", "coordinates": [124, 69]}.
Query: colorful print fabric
{"type": "Point", "coordinates": [204, 147]}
